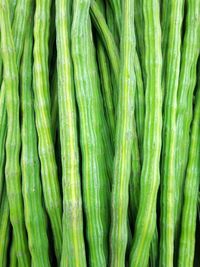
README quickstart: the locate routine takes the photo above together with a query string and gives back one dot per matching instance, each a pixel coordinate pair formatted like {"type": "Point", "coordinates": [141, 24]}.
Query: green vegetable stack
{"type": "Point", "coordinates": [99, 133]}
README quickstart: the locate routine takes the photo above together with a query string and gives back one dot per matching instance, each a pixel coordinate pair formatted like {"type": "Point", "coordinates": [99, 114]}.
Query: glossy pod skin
{"type": "Point", "coordinates": [73, 247]}
{"type": "Point", "coordinates": [90, 106]}
{"type": "Point", "coordinates": [190, 52]}
{"type": "Point", "coordinates": [173, 58]}
{"type": "Point", "coordinates": [190, 204]}
{"type": "Point", "coordinates": [150, 177]}
{"type": "Point", "coordinates": [35, 217]}
{"type": "Point", "coordinates": [124, 140]}
{"type": "Point", "coordinates": [13, 142]}
{"type": "Point", "coordinates": [50, 185]}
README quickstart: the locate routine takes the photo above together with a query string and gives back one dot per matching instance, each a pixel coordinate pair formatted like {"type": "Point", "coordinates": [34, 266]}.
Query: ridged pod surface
{"type": "Point", "coordinates": [107, 38]}
{"type": "Point", "coordinates": [54, 103]}
{"type": "Point", "coordinates": [107, 89]}
{"type": "Point", "coordinates": [150, 177]}
{"type": "Point", "coordinates": [139, 32]}
{"type": "Point", "coordinates": [13, 142]}
{"type": "Point", "coordinates": [106, 92]}
{"type": "Point", "coordinates": [4, 228]}
{"type": "Point", "coordinates": [190, 204]}
{"type": "Point", "coordinates": [134, 186]}
{"type": "Point", "coordinates": [117, 11]}
{"type": "Point", "coordinates": [187, 80]}
{"type": "Point", "coordinates": [31, 185]}
{"type": "Point", "coordinates": [124, 140]}
{"type": "Point", "coordinates": [165, 6]}
{"type": "Point", "coordinates": [139, 104]}
{"type": "Point", "coordinates": [2, 137]}
{"type": "Point", "coordinates": [42, 102]}
{"type": "Point", "coordinates": [73, 249]}
{"type": "Point", "coordinates": [90, 106]}
{"type": "Point", "coordinates": [173, 57]}
{"type": "Point", "coordinates": [17, 35]}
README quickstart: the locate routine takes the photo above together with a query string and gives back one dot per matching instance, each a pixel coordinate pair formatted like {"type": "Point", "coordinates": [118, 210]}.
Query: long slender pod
{"type": "Point", "coordinates": [139, 104]}
{"type": "Point", "coordinates": [1, 66]}
{"type": "Point", "coordinates": [109, 42]}
{"type": "Point", "coordinates": [191, 189]}
{"type": "Point", "coordinates": [111, 22]}
{"type": "Point", "coordinates": [20, 15]}
{"type": "Point", "coordinates": [106, 84]}
{"type": "Point", "coordinates": [12, 254]}
{"type": "Point", "coordinates": [117, 10]}
{"type": "Point", "coordinates": [113, 54]}
{"type": "Point", "coordinates": [169, 135]}
{"type": "Point", "coordinates": [54, 103]}
{"type": "Point", "coordinates": [134, 186]}
{"type": "Point", "coordinates": [107, 38]}
{"type": "Point", "coordinates": [31, 186]}
{"type": "Point", "coordinates": [2, 138]}
{"type": "Point", "coordinates": [52, 33]}
{"type": "Point", "coordinates": [12, 4]}
{"type": "Point", "coordinates": [154, 249]}
{"type": "Point", "coordinates": [50, 184]}
{"type": "Point", "coordinates": [3, 118]}
{"type": "Point", "coordinates": [107, 89]}
{"type": "Point", "coordinates": [73, 249]}
{"type": "Point", "coordinates": [106, 92]}
{"type": "Point", "coordinates": [187, 81]}
{"type": "Point", "coordinates": [165, 26]}
{"type": "Point", "coordinates": [149, 183]}
{"type": "Point", "coordinates": [12, 171]}
{"type": "Point", "coordinates": [139, 32]}
{"type": "Point", "coordinates": [4, 228]}
{"type": "Point", "coordinates": [124, 140]}
{"type": "Point", "coordinates": [95, 181]}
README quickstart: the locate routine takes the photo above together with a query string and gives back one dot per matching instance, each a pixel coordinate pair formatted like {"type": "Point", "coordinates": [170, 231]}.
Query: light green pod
{"type": "Point", "coordinates": [42, 104]}
{"type": "Point", "coordinates": [117, 10]}
{"type": "Point", "coordinates": [107, 89]}
{"type": "Point", "coordinates": [124, 140]}
{"type": "Point", "coordinates": [2, 137]}
{"type": "Point", "coordinates": [139, 32]}
{"type": "Point", "coordinates": [12, 171]}
{"type": "Point", "coordinates": [111, 22]}
{"type": "Point", "coordinates": [91, 117]}
{"type": "Point", "coordinates": [4, 228]}
{"type": "Point", "coordinates": [173, 57]}
{"type": "Point", "coordinates": [150, 177]}
{"type": "Point", "coordinates": [31, 186]}
{"type": "Point", "coordinates": [54, 103]}
{"type": "Point", "coordinates": [107, 38]}
{"type": "Point", "coordinates": [187, 80]}
{"type": "Point", "coordinates": [73, 248]}
{"type": "Point", "coordinates": [192, 181]}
